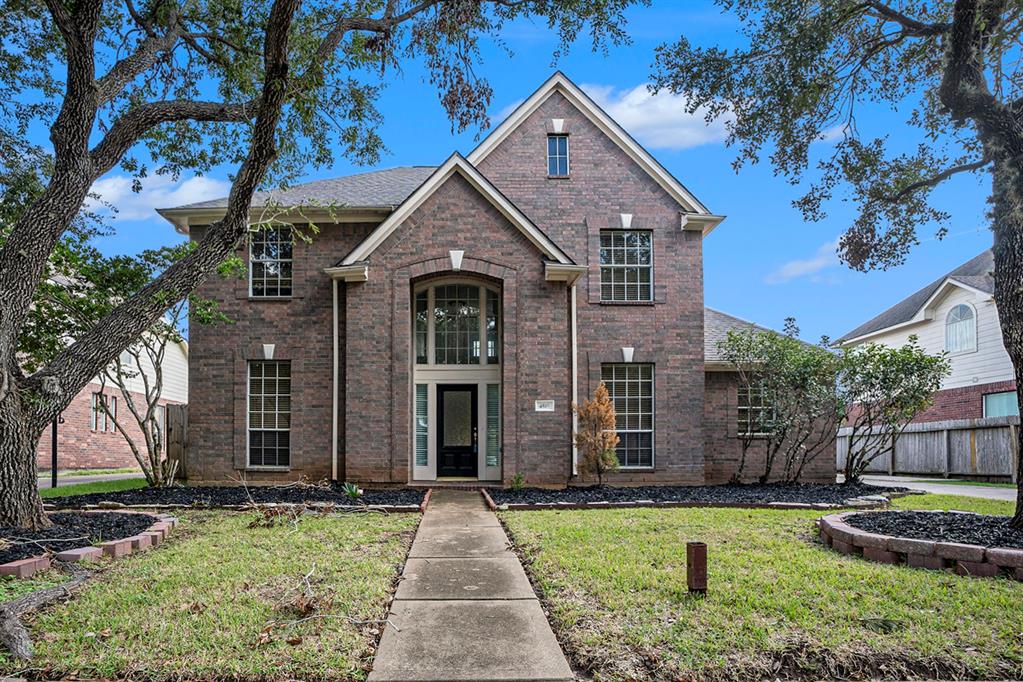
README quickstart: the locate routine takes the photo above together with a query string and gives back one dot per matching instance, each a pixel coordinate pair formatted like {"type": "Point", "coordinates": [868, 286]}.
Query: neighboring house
{"type": "Point", "coordinates": [955, 313]}
{"type": "Point", "coordinates": [444, 319]}
{"type": "Point", "coordinates": [87, 437]}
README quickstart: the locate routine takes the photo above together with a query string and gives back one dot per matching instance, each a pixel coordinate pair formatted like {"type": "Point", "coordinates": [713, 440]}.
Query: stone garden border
{"type": "Point", "coordinates": [865, 503]}
{"type": "Point", "coordinates": [966, 560]}
{"type": "Point", "coordinates": [151, 537]}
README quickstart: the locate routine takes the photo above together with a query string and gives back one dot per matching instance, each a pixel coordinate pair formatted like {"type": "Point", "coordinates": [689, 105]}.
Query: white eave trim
{"type": "Point", "coordinates": [560, 83]}
{"type": "Point", "coordinates": [923, 313]}
{"type": "Point", "coordinates": [456, 163]}
{"type": "Point", "coordinates": [700, 222]}
{"type": "Point", "coordinates": [183, 218]}
{"type": "Point", "coordinates": [357, 272]}
{"type": "Point", "coordinates": [560, 272]}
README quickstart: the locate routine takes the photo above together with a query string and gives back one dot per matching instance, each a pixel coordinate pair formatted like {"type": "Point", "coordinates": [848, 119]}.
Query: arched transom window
{"type": "Point", "coordinates": [961, 329]}
{"type": "Point", "coordinates": [457, 323]}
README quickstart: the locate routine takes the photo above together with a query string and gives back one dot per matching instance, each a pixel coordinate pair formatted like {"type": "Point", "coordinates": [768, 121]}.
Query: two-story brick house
{"type": "Point", "coordinates": [443, 320]}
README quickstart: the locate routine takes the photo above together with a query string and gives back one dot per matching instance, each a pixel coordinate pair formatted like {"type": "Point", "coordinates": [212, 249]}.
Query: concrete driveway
{"type": "Point", "coordinates": [941, 487]}
{"type": "Point", "coordinates": [44, 482]}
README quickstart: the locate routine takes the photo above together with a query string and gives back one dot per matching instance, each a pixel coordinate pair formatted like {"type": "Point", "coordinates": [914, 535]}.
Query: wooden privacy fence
{"type": "Point", "coordinates": [177, 437]}
{"type": "Point", "coordinates": [957, 447]}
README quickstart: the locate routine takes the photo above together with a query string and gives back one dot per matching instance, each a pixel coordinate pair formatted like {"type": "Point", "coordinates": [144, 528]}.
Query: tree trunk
{"type": "Point", "coordinates": [20, 504]}
{"type": "Point", "coordinates": [1007, 219]}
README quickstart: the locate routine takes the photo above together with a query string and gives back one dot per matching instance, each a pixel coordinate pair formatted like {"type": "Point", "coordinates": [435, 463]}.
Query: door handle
{"type": "Point", "coordinates": [475, 441]}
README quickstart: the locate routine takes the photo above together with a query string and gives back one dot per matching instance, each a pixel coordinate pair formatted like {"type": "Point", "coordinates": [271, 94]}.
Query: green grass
{"type": "Point", "coordinates": [958, 502]}
{"type": "Point", "coordinates": [201, 606]}
{"type": "Point", "coordinates": [61, 473]}
{"type": "Point", "coordinates": [12, 588]}
{"type": "Point", "coordinates": [98, 487]}
{"type": "Point", "coordinates": [959, 481]}
{"type": "Point", "coordinates": [779, 603]}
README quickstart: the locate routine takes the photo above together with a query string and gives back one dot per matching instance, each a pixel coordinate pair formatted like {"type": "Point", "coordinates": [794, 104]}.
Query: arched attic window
{"type": "Point", "coordinates": [961, 329]}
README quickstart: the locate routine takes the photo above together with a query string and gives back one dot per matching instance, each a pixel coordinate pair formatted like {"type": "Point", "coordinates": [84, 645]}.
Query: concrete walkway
{"type": "Point", "coordinates": [940, 487]}
{"type": "Point", "coordinates": [464, 609]}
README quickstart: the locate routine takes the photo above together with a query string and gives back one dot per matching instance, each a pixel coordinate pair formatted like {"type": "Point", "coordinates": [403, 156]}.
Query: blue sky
{"type": "Point", "coordinates": [763, 263]}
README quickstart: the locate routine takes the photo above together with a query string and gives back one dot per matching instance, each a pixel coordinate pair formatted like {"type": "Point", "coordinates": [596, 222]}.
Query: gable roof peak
{"type": "Point", "coordinates": [559, 82]}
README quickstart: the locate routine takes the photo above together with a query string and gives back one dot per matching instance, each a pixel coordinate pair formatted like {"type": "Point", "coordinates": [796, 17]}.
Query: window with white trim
{"type": "Point", "coordinates": [961, 329]}
{"type": "Point", "coordinates": [755, 412]}
{"type": "Point", "coordinates": [270, 261]}
{"type": "Point", "coordinates": [269, 413]}
{"type": "Point", "coordinates": [557, 156]}
{"type": "Point", "coordinates": [103, 413]}
{"type": "Point", "coordinates": [631, 387]}
{"type": "Point", "coordinates": [1002, 404]}
{"type": "Point", "coordinates": [626, 265]}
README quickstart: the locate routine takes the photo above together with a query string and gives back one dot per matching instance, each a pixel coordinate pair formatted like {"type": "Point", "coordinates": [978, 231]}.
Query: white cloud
{"type": "Point", "coordinates": [825, 257]}
{"type": "Point", "coordinates": [158, 191]}
{"type": "Point", "coordinates": [505, 111]}
{"type": "Point", "coordinates": [658, 121]}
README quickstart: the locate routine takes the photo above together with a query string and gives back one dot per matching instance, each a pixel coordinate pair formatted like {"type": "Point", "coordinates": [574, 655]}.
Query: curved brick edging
{"type": "Point", "coordinates": [967, 560]}
{"type": "Point", "coordinates": [426, 501]}
{"type": "Point", "coordinates": [151, 537]}
{"type": "Point", "coordinates": [862, 505]}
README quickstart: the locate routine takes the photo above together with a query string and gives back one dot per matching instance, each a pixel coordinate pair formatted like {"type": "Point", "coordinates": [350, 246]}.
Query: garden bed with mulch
{"type": "Point", "coordinates": [233, 496]}
{"type": "Point", "coordinates": [966, 528]}
{"type": "Point", "coordinates": [70, 530]}
{"type": "Point", "coordinates": [718, 495]}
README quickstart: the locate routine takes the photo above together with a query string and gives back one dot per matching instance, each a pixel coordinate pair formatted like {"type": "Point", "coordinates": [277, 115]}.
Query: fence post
{"type": "Point", "coordinates": [947, 441]}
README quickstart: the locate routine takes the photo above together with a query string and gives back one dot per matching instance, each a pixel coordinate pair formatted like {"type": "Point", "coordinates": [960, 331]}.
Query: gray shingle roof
{"type": "Point", "coordinates": [716, 326]}
{"type": "Point", "coordinates": [975, 273]}
{"type": "Point", "coordinates": [375, 189]}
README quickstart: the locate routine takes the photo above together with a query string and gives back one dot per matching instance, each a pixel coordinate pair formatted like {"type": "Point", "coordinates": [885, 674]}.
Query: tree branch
{"type": "Point", "coordinates": [136, 122]}
{"type": "Point", "coordinates": [913, 26]}
{"type": "Point", "coordinates": [145, 55]}
{"type": "Point", "coordinates": [934, 180]}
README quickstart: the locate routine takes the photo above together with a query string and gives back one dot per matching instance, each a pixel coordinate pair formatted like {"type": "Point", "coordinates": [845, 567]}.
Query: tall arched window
{"type": "Point", "coordinates": [961, 329]}
{"type": "Point", "coordinates": [457, 323]}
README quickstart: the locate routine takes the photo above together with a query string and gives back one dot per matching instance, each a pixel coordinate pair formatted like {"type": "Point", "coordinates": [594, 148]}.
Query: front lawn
{"type": "Point", "coordinates": [221, 600]}
{"type": "Point", "coordinates": [95, 487]}
{"type": "Point", "coordinates": [779, 603]}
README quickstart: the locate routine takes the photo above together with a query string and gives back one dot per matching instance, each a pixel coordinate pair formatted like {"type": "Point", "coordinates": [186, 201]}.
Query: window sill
{"type": "Point", "coordinates": [628, 303]}
{"type": "Point", "coordinates": [269, 299]}
{"type": "Point", "coordinates": [559, 177]}
{"type": "Point", "coordinates": [636, 469]}
{"type": "Point", "coordinates": [268, 469]}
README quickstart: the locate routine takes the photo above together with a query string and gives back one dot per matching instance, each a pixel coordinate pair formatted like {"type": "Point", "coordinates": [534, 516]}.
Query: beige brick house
{"type": "Point", "coordinates": [443, 320]}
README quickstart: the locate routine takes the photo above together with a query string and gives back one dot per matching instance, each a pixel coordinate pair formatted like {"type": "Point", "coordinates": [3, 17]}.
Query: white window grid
{"type": "Point", "coordinates": [755, 412]}
{"type": "Point", "coordinates": [271, 251]}
{"type": "Point", "coordinates": [453, 322]}
{"type": "Point", "coordinates": [631, 387]}
{"type": "Point", "coordinates": [269, 413]}
{"type": "Point", "coordinates": [557, 156]}
{"type": "Point", "coordinates": [961, 329]}
{"type": "Point", "coordinates": [626, 265]}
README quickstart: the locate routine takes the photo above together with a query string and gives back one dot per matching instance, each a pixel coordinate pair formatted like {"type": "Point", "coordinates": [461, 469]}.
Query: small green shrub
{"type": "Point", "coordinates": [518, 482]}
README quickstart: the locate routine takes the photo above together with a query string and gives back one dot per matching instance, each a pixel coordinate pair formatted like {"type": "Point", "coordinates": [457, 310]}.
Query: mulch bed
{"type": "Point", "coordinates": [970, 529]}
{"type": "Point", "coordinates": [717, 494]}
{"type": "Point", "coordinates": [222, 496]}
{"type": "Point", "coordinates": [70, 530]}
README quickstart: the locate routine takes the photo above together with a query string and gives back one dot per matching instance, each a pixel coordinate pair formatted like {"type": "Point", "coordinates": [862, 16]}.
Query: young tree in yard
{"type": "Point", "coordinates": [884, 388]}
{"type": "Point", "coordinates": [789, 399]}
{"type": "Point", "coordinates": [596, 437]}
{"type": "Point", "coordinates": [81, 288]}
{"type": "Point", "coordinates": [810, 66]}
{"type": "Point", "coordinates": [170, 86]}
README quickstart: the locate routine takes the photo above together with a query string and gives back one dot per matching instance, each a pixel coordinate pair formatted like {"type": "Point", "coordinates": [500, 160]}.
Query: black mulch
{"type": "Point", "coordinates": [971, 529]}
{"type": "Point", "coordinates": [219, 496]}
{"type": "Point", "coordinates": [69, 531]}
{"type": "Point", "coordinates": [727, 494]}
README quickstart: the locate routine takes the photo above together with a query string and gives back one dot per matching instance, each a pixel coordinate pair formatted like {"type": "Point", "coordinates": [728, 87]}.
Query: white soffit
{"type": "Point", "coordinates": [560, 83]}
{"type": "Point", "coordinates": [456, 163]}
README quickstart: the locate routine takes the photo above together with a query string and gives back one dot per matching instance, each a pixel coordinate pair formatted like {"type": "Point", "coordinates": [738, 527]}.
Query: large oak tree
{"type": "Point", "coordinates": [186, 85]}
{"type": "Point", "coordinates": [808, 69]}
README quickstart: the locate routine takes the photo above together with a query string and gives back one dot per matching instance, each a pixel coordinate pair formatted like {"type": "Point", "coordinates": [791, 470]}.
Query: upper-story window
{"type": "Point", "coordinates": [961, 329]}
{"type": "Point", "coordinates": [626, 265]}
{"type": "Point", "coordinates": [557, 156]}
{"type": "Point", "coordinates": [270, 261]}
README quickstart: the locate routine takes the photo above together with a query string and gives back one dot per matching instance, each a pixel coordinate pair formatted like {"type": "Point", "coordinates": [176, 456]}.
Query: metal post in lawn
{"type": "Point", "coordinates": [53, 453]}
{"type": "Point", "coordinates": [696, 567]}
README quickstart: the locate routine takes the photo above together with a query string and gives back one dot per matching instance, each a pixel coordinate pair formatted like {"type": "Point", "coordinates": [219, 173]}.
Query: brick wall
{"type": "Point", "coordinates": [966, 402]}
{"type": "Point", "coordinates": [724, 449]}
{"type": "Point", "coordinates": [300, 328]}
{"type": "Point", "coordinates": [605, 183]}
{"type": "Point", "coordinates": [79, 447]}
